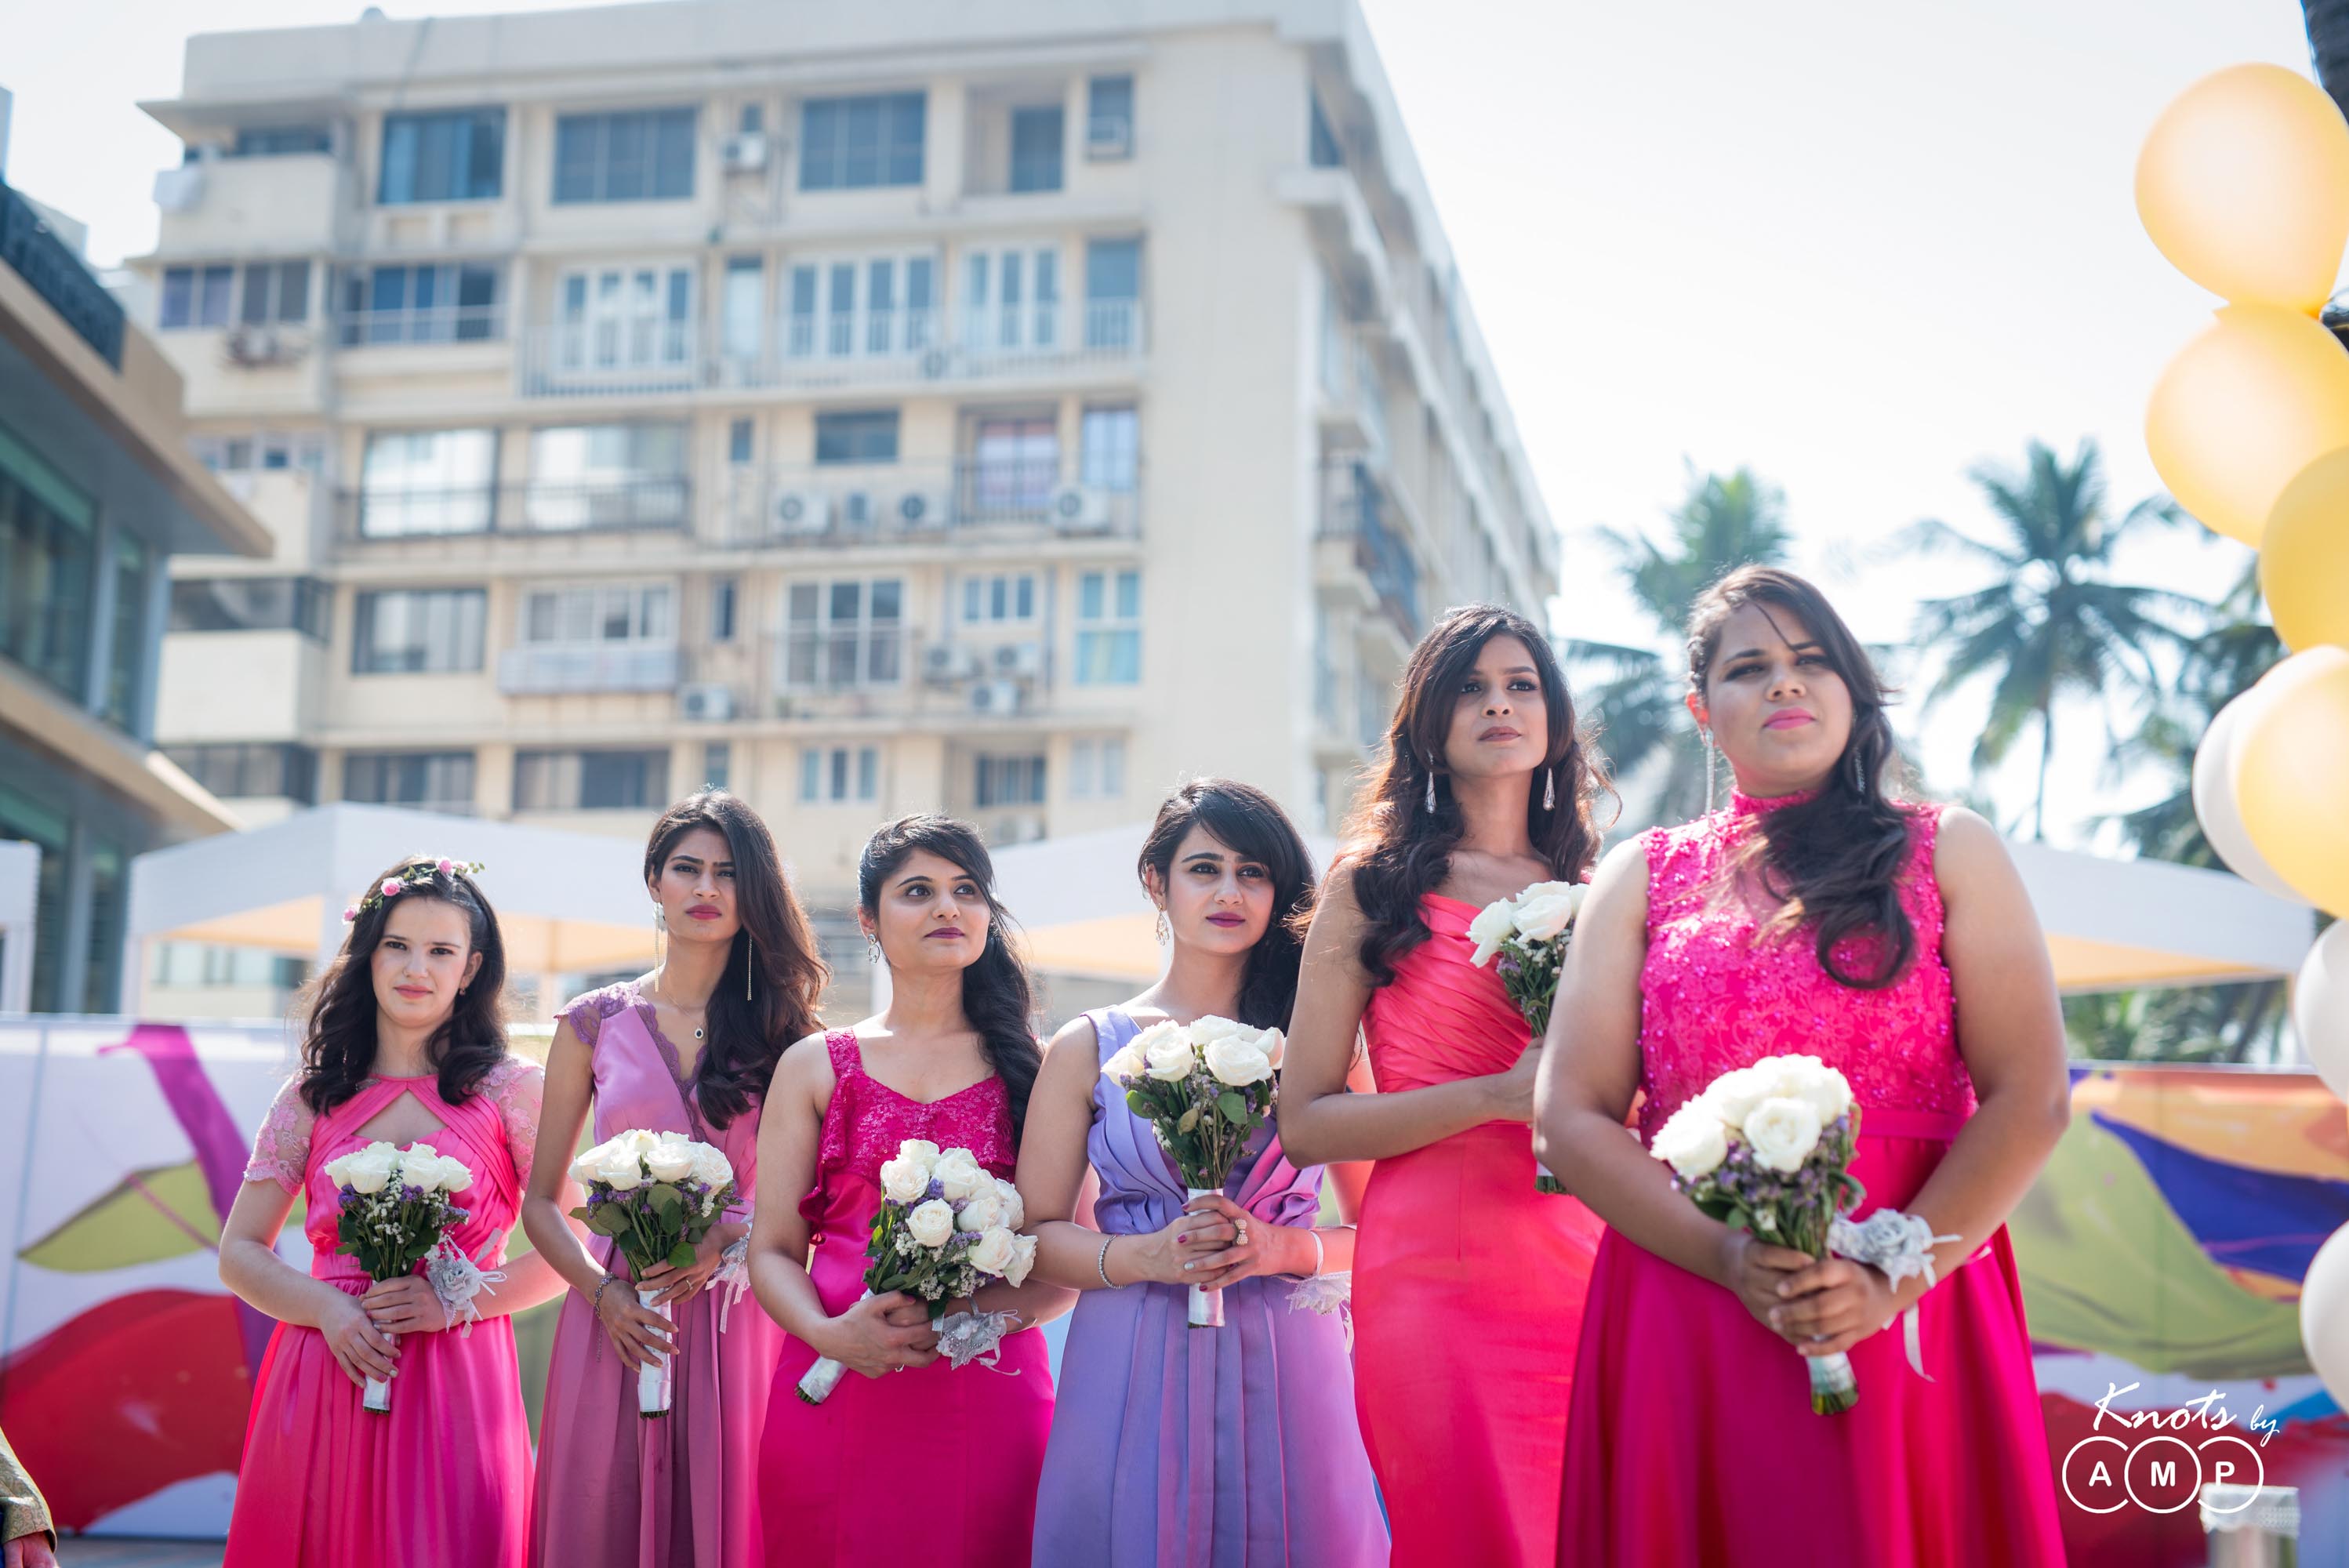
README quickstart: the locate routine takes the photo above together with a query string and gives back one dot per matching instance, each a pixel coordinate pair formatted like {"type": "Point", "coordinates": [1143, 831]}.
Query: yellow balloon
{"type": "Point", "coordinates": [2304, 556]}
{"type": "Point", "coordinates": [2244, 184]}
{"type": "Point", "coordinates": [2259, 397]}
{"type": "Point", "coordinates": [2291, 773]}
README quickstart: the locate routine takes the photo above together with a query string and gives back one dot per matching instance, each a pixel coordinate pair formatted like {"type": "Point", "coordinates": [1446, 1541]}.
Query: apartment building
{"type": "Point", "coordinates": [1010, 410]}
{"type": "Point", "coordinates": [98, 491]}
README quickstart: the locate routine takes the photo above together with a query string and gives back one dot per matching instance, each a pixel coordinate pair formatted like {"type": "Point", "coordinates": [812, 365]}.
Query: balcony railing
{"type": "Point", "coordinates": [1353, 509]}
{"type": "Point", "coordinates": [909, 503]}
{"type": "Point", "coordinates": [532, 507]}
{"type": "Point", "coordinates": [815, 352]}
{"type": "Point", "coordinates": [880, 670]}
{"type": "Point", "coordinates": [432, 323]}
{"type": "Point", "coordinates": [59, 276]}
{"type": "Point", "coordinates": [535, 668]}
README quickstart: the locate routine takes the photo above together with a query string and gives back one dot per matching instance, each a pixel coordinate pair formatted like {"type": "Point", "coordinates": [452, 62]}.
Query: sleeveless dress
{"type": "Point", "coordinates": [1175, 1446]}
{"type": "Point", "coordinates": [934, 1464]}
{"type": "Point", "coordinates": [616, 1491]}
{"type": "Point", "coordinates": [1694, 1441]}
{"type": "Point", "coordinates": [1468, 1283]}
{"type": "Point", "coordinates": [444, 1477]}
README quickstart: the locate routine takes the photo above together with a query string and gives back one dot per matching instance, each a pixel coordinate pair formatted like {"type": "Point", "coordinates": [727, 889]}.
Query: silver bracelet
{"type": "Point", "coordinates": [1101, 1265]}
{"type": "Point", "coordinates": [1321, 1254]}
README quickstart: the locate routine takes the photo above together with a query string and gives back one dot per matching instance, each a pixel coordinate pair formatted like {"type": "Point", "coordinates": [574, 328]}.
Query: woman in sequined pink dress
{"type": "Point", "coordinates": [915, 1459]}
{"type": "Point", "coordinates": [1816, 915]}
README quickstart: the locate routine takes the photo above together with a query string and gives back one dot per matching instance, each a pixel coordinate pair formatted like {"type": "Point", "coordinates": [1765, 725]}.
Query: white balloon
{"type": "Point", "coordinates": [2325, 1314]}
{"type": "Point", "coordinates": [2320, 1007]}
{"type": "Point", "coordinates": [2214, 800]}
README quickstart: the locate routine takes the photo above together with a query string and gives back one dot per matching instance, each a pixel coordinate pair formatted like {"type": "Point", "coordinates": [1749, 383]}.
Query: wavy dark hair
{"type": "Point", "coordinates": [998, 997]}
{"type": "Point", "coordinates": [1395, 847]}
{"type": "Point", "coordinates": [338, 1041]}
{"type": "Point", "coordinates": [1251, 824]}
{"type": "Point", "coordinates": [773, 956]}
{"type": "Point", "coordinates": [1834, 862]}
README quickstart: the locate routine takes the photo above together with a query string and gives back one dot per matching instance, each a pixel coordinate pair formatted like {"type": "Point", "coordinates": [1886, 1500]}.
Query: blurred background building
{"type": "Point", "coordinates": [1001, 411]}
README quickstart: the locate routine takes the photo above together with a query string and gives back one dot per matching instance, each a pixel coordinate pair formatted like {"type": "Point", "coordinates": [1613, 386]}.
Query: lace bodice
{"type": "Point", "coordinates": [281, 1149]}
{"type": "Point", "coordinates": [1716, 995]}
{"type": "Point", "coordinates": [868, 1119]}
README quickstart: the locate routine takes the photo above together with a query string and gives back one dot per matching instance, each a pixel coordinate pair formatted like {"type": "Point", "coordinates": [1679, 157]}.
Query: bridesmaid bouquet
{"type": "Point", "coordinates": [1524, 939]}
{"type": "Point", "coordinates": [1766, 1149]}
{"type": "Point", "coordinates": [1204, 1087]}
{"type": "Point", "coordinates": [655, 1195]}
{"type": "Point", "coordinates": [394, 1213]}
{"type": "Point", "coordinates": [944, 1228]}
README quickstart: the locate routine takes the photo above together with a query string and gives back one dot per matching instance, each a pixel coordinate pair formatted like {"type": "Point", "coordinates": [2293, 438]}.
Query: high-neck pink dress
{"type": "Point", "coordinates": [935, 1464]}
{"type": "Point", "coordinates": [1467, 1282]}
{"type": "Point", "coordinates": [614, 1489]}
{"type": "Point", "coordinates": [1692, 1441]}
{"type": "Point", "coordinates": [444, 1477]}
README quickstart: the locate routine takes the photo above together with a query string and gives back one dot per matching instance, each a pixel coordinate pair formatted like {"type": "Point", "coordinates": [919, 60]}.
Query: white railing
{"type": "Point", "coordinates": [429, 324]}
{"type": "Point", "coordinates": [532, 668]}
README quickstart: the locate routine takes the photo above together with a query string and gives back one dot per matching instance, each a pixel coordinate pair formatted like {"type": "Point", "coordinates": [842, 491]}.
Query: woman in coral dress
{"type": "Point", "coordinates": [688, 1049]}
{"type": "Point", "coordinates": [1814, 916]}
{"type": "Point", "coordinates": [404, 1045]}
{"type": "Point", "coordinates": [1468, 1281]}
{"type": "Point", "coordinates": [910, 1459]}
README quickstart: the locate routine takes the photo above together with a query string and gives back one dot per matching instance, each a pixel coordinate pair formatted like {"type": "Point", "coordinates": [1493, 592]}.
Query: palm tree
{"type": "Point", "coordinates": [1723, 523]}
{"type": "Point", "coordinates": [2049, 623]}
{"type": "Point", "coordinates": [2327, 22]}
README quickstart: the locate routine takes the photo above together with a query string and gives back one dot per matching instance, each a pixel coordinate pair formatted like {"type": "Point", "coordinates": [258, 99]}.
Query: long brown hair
{"type": "Point", "coordinates": [1251, 824]}
{"type": "Point", "coordinates": [1398, 850]}
{"type": "Point", "coordinates": [338, 1041]}
{"type": "Point", "coordinates": [1835, 860]}
{"type": "Point", "coordinates": [772, 958]}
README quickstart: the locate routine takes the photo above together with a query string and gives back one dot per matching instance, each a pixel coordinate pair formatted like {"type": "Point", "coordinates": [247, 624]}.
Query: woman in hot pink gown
{"type": "Point", "coordinates": [404, 1045]}
{"type": "Point", "coordinates": [1468, 1281]}
{"type": "Point", "coordinates": [910, 1459]}
{"type": "Point", "coordinates": [1814, 916]}
{"type": "Point", "coordinates": [737, 980]}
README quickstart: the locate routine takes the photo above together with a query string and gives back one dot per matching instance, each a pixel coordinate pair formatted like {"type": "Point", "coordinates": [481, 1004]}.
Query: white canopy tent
{"type": "Point", "coordinates": [2111, 925]}
{"type": "Point", "coordinates": [566, 903]}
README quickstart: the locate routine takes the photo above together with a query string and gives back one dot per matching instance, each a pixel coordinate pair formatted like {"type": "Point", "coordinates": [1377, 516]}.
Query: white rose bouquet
{"type": "Point", "coordinates": [396, 1213]}
{"type": "Point", "coordinates": [1766, 1149]}
{"type": "Point", "coordinates": [944, 1228]}
{"type": "Point", "coordinates": [1524, 939]}
{"type": "Point", "coordinates": [1204, 1088]}
{"type": "Point", "coordinates": [655, 1195]}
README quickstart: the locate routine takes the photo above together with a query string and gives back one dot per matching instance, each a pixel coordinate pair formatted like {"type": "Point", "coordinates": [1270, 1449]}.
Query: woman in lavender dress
{"type": "Point", "coordinates": [1211, 1448]}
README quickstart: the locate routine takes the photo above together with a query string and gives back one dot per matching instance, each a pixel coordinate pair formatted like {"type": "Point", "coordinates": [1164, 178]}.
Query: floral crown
{"type": "Point", "coordinates": [420, 874]}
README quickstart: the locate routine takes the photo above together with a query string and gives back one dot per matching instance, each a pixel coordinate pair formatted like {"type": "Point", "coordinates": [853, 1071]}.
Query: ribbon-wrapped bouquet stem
{"type": "Point", "coordinates": [1523, 940]}
{"type": "Point", "coordinates": [655, 1195]}
{"type": "Point", "coordinates": [394, 1213]}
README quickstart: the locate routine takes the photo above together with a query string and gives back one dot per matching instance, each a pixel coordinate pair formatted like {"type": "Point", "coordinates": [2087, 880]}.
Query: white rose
{"type": "Point", "coordinates": [710, 1166]}
{"type": "Point", "coordinates": [621, 1167]}
{"type": "Point", "coordinates": [1126, 1065]}
{"type": "Point", "coordinates": [638, 1141]}
{"type": "Point", "coordinates": [1207, 1031]}
{"type": "Point", "coordinates": [931, 1223]}
{"type": "Point", "coordinates": [1692, 1141]}
{"type": "Point", "coordinates": [961, 1175]}
{"type": "Point", "coordinates": [338, 1170]}
{"type": "Point", "coordinates": [920, 1150]}
{"type": "Point", "coordinates": [369, 1170]}
{"type": "Point", "coordinates": [419, 1167]}
{"type": "Point", "coordinates": [1238, 1061]}
{"type": "Point", "coordinates": [1783, 1132]}
{"type": "Point", "coordinates": [1735, 1093]}
{"type": "Point", "coordinates": [994, 1250]}
{"type": "Point", "coordinates": [1167, 1048]}
{"type": "Point", "coordinates": [1542, 918]}
{"type": "Point", "coordinates": [454, 1176]}
{"type": "Point", "coordinates": [1015, 1211]}
{"type": "Point", "coordinates": [1493, 925]}
{"type": "Point", "coordinates": [1809, 1079]}
{"type": "Point", "coordinates": [670, 1158]}
{"type": "Point", "coordinates": [982, 1210]}
{"type": "Point", "coordinates": [1273, 1043]}
{"type": "Point", "coordinates": [1024, 1258]}
{"type": "Point", "coordinates": [904, 1180]}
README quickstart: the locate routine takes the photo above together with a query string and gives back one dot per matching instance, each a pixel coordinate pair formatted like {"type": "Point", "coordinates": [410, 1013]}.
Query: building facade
{"type": "Point", "coordinates": [97, 494]}
{"type": "Point", "coordinates": [1002, 411]}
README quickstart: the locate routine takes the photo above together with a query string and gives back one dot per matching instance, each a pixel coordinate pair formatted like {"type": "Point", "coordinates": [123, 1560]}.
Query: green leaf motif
{"type": "Point", "coordinates": [147, 1217]}
{"type": "Point", "coordinates": [1234, 1109]}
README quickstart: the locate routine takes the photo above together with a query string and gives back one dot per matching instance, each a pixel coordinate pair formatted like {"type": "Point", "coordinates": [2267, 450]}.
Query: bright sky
{"type": "Point", "coordinates": [1857, 246]}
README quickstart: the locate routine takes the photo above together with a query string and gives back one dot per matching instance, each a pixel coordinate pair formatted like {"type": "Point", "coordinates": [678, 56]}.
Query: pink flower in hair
{"type": "Point", "coordinates": [350, 913]}
{"type": "Point", "coordinates": [446, 867]}
{"type": "Point", "coordinates": [390, 887]}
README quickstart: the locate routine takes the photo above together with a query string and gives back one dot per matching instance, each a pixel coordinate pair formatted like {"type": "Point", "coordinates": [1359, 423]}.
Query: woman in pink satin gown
{"type": "Point", "coordinates": [404, 1044]}
{"type": "Point", "coordinates": [687, 1048]}
{"type": "Point", "coordinates": [1814, 916]}
{"type": "Point", "coordinates": [1468, 1283]}
{"type": "Point", "coordinates": [910, 1459]}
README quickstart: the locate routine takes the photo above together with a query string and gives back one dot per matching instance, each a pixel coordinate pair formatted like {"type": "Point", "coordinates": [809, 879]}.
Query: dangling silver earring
{"type": "Point", "coordinates": [1431, 787]}
{"type": "Point", "coordinates": [1858, 775]}
{"type": "Point", "coordinates": [1549, 791]}
{"type": "Point", "coordinates": [660, 937]}
{"type": "Point", "coordinates": [750, 962]}
{"type": "Point", "coordinates": [872, 950]}
{"type": "Point", "coordinates": [1165, 932]}
{"type": "Point", "coordinates": [1711, 752]}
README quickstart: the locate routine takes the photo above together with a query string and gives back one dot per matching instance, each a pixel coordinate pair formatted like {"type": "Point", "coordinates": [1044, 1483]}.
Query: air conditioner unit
{"type": "Point", "coordinates": [803, 511]}
{"type": "Point", "coordinates": [918, 510]}
{"type": "Point", "coordinates": [1024, 660]}
{"type": "Point", "coordinates": [944, 664]}
{"type": "Point", "coordinates": [858, 510]}
{"type": "Point", "coordinates": [258, 346]}
{"type": "Point", "coordinates": [744, 154]}
{"type": "Point", "coordinates": [995, 697]}
{"type": "Point", "coordinates": [1081, 509]}
{"type": "Point", "coordinates": [708, 701]}
{"type": "Point", "coordinates": [1109, 138]}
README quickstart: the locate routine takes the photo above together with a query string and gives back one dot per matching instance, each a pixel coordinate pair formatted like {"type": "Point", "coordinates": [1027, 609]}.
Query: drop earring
{"type": "Point", "coordinates": [1858, 775]}
{"type": "Point", "coordinates": [1549, 791]}
{"type": "Point", "coordinates": [1165, 932]}
{"type": "Point", "coordinates": [872, 949]}
{"type": "Point", "coordinates": [660, 938]}
{"type": "Point", "coordinates": [1711, 754]}
{"type": "Point", "coordinates": [1431, 787]}
{"type": "Point", "coordinates": [750, 962]}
